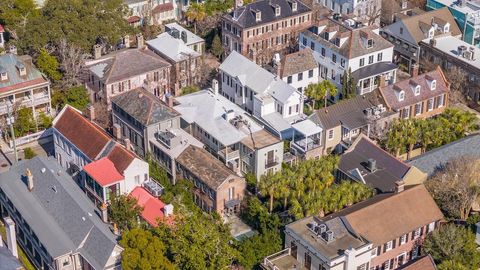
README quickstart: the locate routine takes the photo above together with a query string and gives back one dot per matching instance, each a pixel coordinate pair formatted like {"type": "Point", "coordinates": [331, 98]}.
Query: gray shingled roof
{"type": "Point", "coordinates": [144, 106]}
{"type": "Point", "coordinates": [298, 62]}
{"type": "Point", "coordinates": [7, 261]}
{"type": "Point", "coordinates": [244, 16]}
{"type": "Point", "coordinates": [433, 160]}
{"type": "Point", "coordinates": [57, 210]}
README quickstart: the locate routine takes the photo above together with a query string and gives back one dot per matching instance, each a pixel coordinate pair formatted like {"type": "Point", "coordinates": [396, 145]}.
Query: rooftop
{"type": "Point", "coordinates": [297, 62]}
{"type": "Point", "coordinates": [175, 149]}
{"type": "Point", "coordinates": [391, 92]}
{"type": "Point", "coordinates": [59, 213]}
{"type": "Point", "coordinates": [388, 169]}
{"type": "Point", "coordinates": [423, 263]}
{"type": "Point", "coordinates": [152, 211]}
{"type": "Point", "coordinates": [260, 139]}
{"type": "Point", "coordinates": [9, 63]}
{"type": "Point", "coordinates": [450, 45]}
{"type": "Point", "coordinates": [8, 261]}
{"type": "Point", "coordinates": [191, 38]}
{"type": "Point", "coordinates": [470, 6]}
{"type": "Point", "coordinates": [103, 172]}
{"type": "Point", "coordinates": [206, 167]}
{"type": "Point", "coordinates": [125, 64]}
{"type": "Point", "coordinates": [222, 119]}
{"type": "Point", "coordinates": [171, 47]}
{"type": "Point", "coordinates": [144, 107]}
{"type": "Point", "coordinates": [245, 15]}
{"type": "Point", "coordinates": [434, 160]}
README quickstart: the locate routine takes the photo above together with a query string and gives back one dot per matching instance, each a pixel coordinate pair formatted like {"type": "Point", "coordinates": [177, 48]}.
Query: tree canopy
{"type": "Point", "coordinates": [321, 91]}
{"type": "Point", "coordinates": [124, 211]}
{"type": "Point", "coordinates": [453, 247]}
{"type": "Point", "coordinates": [48, 64]}
{"type": "Point", "coordinates": [76, 96]}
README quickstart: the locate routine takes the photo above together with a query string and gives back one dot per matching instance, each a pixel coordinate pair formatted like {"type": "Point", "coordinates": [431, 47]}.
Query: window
{"type": "Point", "coordinates": [401, 30]}
{"type": "Point", "coordinates": [430, 104]}
{"type": "Point", "coordinates": [441, 101]}
{"type": "Point", "coordinates": [342, 62]}
{"type": "Point", "coordinates": [370, 59]}
{"type": "Point", "coordinates": [137, 179]}
{"type": "Point", "coordinates": [363, 266]}
{"type": "Point", "coordinates": [379, 57]}
{"type": "Point", "coordinates": [417, 233]}
{"type": "Point", "coordinates": [304, 41]}
{"type": "Point", "coordinates": [369, 43]}
{"type": "Point", "coordinates": [401, 96]}
{"type": "Point", "coordinates": [323, 52]}
{"type": "Point", "coordinates": [289, 79]}
{"type": "Point", "coordinates": [334, 58]}
{"type": "Point", "coordinates": [406, 113]}
{"type": "Point", "coordinates": [65, 262]}
{"type": "Point", "coordinates": [431, 227]}
{"type": "Point", "coordinates": [417, 90]}
{"type": "Point", "coordinates": [403, 239]}
{"type": "Point", "coordinates": [330, 134]}
{"type": "Point", "coordinates": [433, 85]}
{"type": "Point", "coordinates": [310, 73]}
{"type": "Point", "coordinates": [386, 265]}
{"type": "Point", "coordinates": [418, 108]}
{"type": "Point", "coordinates": [362, 62]}
{"type": "Point", "coordinates": [388, 246]}
{"type": "Point", "coordinates": [374, 252]}
{"type": "Point", "coordinates": [312, 45]}
{"type": "Point", "coordinates": [300, 76]}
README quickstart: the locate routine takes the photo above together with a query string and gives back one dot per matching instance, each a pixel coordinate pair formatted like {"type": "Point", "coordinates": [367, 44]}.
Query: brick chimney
{"type": "Point", "coordinates": [91, 112]}
{"type": "Point", "coordinates": [29, 176]}
{"type": "Point", "coordinates": [127, 144]}
{"type": "Point", "coordinates": [381, 82]}
{"type": "Point", "coordinates": [140, 41]}
{"type": "Point", "coordinates": [11, 236]}
{"type": "Point", "coordinates": [104, 212]}
{"type": "Point", "coordinates": [414, 70]}
{"type": "Point", "coordinates": [399, 186]}
{"type": "Point", "coordinates": [117, 131]}
{"type": "Point", "coordinates": [97, 51]}
{"type": "Point", "coordinates": [169, 100]}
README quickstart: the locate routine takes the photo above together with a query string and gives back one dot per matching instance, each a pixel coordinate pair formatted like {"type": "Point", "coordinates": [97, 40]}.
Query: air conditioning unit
{"type": "Point", "coordinates": [153, 188]}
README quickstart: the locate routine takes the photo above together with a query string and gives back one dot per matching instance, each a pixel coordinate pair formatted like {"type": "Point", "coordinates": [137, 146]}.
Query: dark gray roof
{"type": "Point", "coordinates": [144, 106]}
{"type": "Point", "coordinates": [389, 168]}
{"type": "Point", "coordinates": [57, 210]}
{"type": "Point", "coordinates": [245, 17]}
{"type": "Point", "coordinates": [347, 112]}
{"type": "Point", "coordinates": [7, 260]}
{"type": "Point", "coordinates": [372, 70]}
{"type": "Point", "coordinates": [433, 160]}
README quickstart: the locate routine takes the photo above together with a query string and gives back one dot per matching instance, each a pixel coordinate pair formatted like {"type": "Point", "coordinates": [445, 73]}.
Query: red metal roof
{"type": "Point", "coordinates": [133, 19]}
{"type": "Point", "coordinates": [103, 171]}
{"type": "Point", "coordinates": [163, 7]}
{"type": "Point", "coordinates": [152, 207]}
{"type": "Point", "coordinates": [1, 28]}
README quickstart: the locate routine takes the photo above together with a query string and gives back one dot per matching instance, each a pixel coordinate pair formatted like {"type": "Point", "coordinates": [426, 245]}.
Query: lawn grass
{"type": "Point", "coordinates": [22, 257]}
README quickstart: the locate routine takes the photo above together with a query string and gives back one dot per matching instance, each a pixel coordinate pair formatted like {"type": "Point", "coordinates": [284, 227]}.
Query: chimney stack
{"type": "Point", "coordinates": [169, 99]}
{"type": "Point", "coordinates": [97, 51]}
{"type": "Point", "coordinates": [414, 70]}
{"type": "Point", "coordinates": [117, 131]}
{"type": "Point", "coordinates": [128, 144]}
{"type": "Point", "coordinates": [215, 86]}
{"type": "Point", "coordinates": [140, 41]}
{"type": "Point", "coordinates": [399, 186]}
{"type": "Point", "coordinates": [29, 180]}
{"type": "Point", "coordinates": [11, 236]}
{"type": "Point", "coordinates": [104, 212]}
{"type": "Point", "coordinates": [382, 81]}
{"type": "Point", "coordinates": [91, 112]}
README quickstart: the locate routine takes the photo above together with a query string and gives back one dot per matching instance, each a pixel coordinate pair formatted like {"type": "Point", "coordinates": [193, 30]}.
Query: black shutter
{"type": "Point", "coordinates": [379, 250]}
{"type": "Point", "coordinates": [406, 238]}
{"type": "Point", "coordinates": [413, 235]}
{"type": "Point", "coordinates": [384, 248]}
{"type": "Point", "coordinates": [394, 242]}
{"type": "Point", "coordinates": [421, 231]}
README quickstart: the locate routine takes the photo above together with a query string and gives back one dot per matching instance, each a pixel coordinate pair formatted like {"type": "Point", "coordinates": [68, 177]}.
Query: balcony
{"type": "Point", "coordinates": [306, 144]}
{"type": "Point", "coordinates": [282, 260]}
{"type": "Point", "coordinates": [271, 163]}
{"type": "Point", "coordinates": [229, 154]}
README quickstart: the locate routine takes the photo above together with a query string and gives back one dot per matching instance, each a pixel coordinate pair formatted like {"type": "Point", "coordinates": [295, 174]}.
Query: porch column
{"type": "Point", "coordinates": [306, 144]}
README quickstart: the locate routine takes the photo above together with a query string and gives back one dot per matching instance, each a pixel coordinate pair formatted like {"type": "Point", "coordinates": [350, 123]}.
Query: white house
{"type": "Point", "coordinates": [262, 94]}
{"type": "Point", "coordinates": [342, 45]}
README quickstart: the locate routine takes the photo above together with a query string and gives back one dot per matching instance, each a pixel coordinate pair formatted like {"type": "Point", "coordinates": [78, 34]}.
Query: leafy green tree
{"type": "Point", "coordinates": [322, 90]}
{"type": "Point", "coordinates": [252, 250]}
{"type": "Point", "coordinates": [198, 241]}
{"type": "Point", "coordinates": [29, 153]}
{"type": "Point", "coordinates": [269, 185]}
{"type": "Point", "coordinates": [24, 122]}
{"type": "Point", "coordinates": [17, 14]}
{"type": "Point", "coordinates": [451, 265]}
{"type": "Point", "coordinates": [453, 246]}
{"type": "Point", "coordinates": [217, 48]}
{"type": "Point", "coordinates": [349, 85]}
{"type": "Point", "coordinates": [76, 96]}
{"type": "Point", "coordinates": [189, 89]}
{"type": "Point", "coordinates": [49, 65]}
{"type": "Point", "coordinates": [44, 121]}
{"type": "Point", "coordinates": [143, 250]}
{"type": "Point", "coordinates": [124, 211]}
{"type": "Point", "coordinates": [196, 12]}
{"type": "Point", "coordinates": [257, 216]}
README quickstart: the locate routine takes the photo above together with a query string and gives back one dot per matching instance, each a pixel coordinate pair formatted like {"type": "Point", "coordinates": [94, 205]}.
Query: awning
{"type": "Point", "coordinates": [372, 70]}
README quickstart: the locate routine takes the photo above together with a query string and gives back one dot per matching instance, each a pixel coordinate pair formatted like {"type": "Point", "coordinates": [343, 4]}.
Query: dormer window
{"type": "Point", "coordinates": [258, 15]}
{"type": "Point", "coordinates": [294, 6]}
{"type": "Point", "coordinates": [369, 43]}
{"type": "Point", "coordinates": [431, 32]}
{"type": "Point", "coordinates": [401, 96]}
{"type": "Point", "coordinates": [417, 90]}
{"type": "Point", "coordinates": [3, 76]}
{"type": "Point", "coordinates": [433, 84]}
{"type": "Point", "coordinates": [21, 69]}
{"type": "Point", "coordinates": [277, 10]}
{"type": "Point", "coordinates": [446, 28]}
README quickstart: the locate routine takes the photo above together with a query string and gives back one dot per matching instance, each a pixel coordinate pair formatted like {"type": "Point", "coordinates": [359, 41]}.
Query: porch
{"type": "Point", "coordinates": [306, 137]}
{"type": "Point", "coordinates": [370, 77]}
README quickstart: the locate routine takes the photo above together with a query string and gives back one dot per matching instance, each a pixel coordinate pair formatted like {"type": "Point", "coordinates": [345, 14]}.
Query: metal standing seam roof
{"type": "Point", "coordinates": [63, 218]}
{"type": "Point", "coordinates": [8, 64]}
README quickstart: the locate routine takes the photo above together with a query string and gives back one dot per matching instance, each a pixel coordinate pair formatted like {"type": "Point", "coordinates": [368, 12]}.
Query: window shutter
{"type": "Point", "coordinates": [384, 248]}
{"type": "Point", "coordinates": [421, 231]}
{"type": "Point", "coordinates": [394, 242]}
{"type": "Point", "coordinates": [413, 235]}
{"type": "Point", "coordinates": [379, 251]}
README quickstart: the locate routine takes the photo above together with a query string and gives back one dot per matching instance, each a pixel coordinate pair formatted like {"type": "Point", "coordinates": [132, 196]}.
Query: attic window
{"type": "Point", "coordinates": [3, 76]}
{"type": "Point", "coordinates": [431, 32]}
{"type": "Point", "coordinates": [369, 43]}
{"type": "Point", "coordinates": [433, 85]}
{"type": "Point", "coordinates": [294, 6]}
{"type": "Point", "coordinates": [277, 10]}
{"type": "Point", "coordinates": [258, 15]}
{"type": "Point", "coordinates": [446, 28]}
{"type": "Point", "coordinates": [417, 90]}
{"type": "Point", "coordinates": [401, 96]}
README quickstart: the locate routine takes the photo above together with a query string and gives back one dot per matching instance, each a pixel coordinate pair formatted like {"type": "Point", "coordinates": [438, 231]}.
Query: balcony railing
{"type": "Point", "coordinates": [304, 146]}
{"type": "Point", "coordinates": [268, 262]}
{"type": "Point", "coordinates": [228, 154]}
{"type": "Point", "coordinates": [271, 162]}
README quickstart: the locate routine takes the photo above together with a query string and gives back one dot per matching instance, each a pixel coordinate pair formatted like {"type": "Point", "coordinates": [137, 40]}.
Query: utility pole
{"type": "Point", "coordinates": [10, 121]}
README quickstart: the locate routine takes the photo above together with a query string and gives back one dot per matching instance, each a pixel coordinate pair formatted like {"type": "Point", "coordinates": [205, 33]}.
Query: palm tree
{"type": "Point", "coordinates": [313, 92]}
{"type": "Point", "coordinates": [327, 88]}
{"type": "Point", "coordinates": [196, 12]}
{"type": "Point", "coordinates": [269, 186]}
{"type": "Point", "coordinates": [412, 131]}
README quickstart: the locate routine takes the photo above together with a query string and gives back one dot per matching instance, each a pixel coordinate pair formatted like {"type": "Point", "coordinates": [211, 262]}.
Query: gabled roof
{"type": "Point", "coordinates": [245, 16]}
{"type": "Point", "coordinates": [415, 28]}
{"type": "Point", "coordinates": [152, 207]}
{"type": "Point", "coordinates": [424, 263]}
{"type": "Point", "coordinates": [57, 211]}
{"type": "Point", "coordinates": [103, 172]}
{"type": "Point", "coordinates": [85, 135]}
{"type": "Point", "coordinates": [389, 169]}
{"type": "Point", "coordinates": [298, 62]}
{"type": "Point", "coordinates": [172, 48]}
{"type": "Point", "coordinates": [389, 216]}
{"type": "Point", "coordinates": [162, 8]}
{"type": "Point", "coordinates": [127, 63]}
{"type": "Point", "coordinates": [347, 112]}
{"type": "Point", "coordinates": [144, 106]}
{"type": "Point", "coordinates": [433, 160]}
{"type": "Point", "coordinates": [121, 157]}
{"type": "Point", "coordinates": [205, 167]}
{"type": "Point", "coordinates": [8, 64]}
{"type": "Point", "coordinates": [390, 91]}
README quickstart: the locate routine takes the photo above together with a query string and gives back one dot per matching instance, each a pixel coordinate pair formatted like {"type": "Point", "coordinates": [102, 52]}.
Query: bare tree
{"type": "Point", "coordinates": [373, 13]}
{"type": "Point", "coordinates": [102, 115]}
{"type": "Point", "coordinates": [71, 62]}
{"type": "Point", "coordinates": [456, 186]}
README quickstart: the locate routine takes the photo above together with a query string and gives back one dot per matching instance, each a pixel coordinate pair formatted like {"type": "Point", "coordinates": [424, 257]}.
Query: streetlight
{"type": "Point", "coordinates": [10, 122]}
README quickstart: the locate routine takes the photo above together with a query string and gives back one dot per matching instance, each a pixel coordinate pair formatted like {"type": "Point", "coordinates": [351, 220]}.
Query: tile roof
{"type": "Point", "coordinates": [204, 166]}
{"type": "Point", "coordinates": [59, 213]}
{"type": "Point", "coordinates": [127, 63]}
{"type": "Point", "coordinates": [297, 62]}
{"type": "Point", "coordinates": [353, 44]}
{"type": "Point", "coordinates": [152, 207]}
{"type": "Point", "coordinates": [121, 157]}
{"type": "Point", "coordinates": [423, 263]}
{"type": "Point", "coordinates": [8, 64]}
{"type": "Point", "coordinates": [347, 112]}
{"type": "Point", "coordinates": [144, 106]}
{"type": "Point", "coordinates": [391, 215]}
{"type": "Point", "coordinates": [430, 162]}
{"type": "Point", "coordinates": [103, 172]}
{"type": "Point", "coordinates": [389, 91]}
{"type": "Point", "coordinates": [389, 168]}
{"type": "Point", "coordinates": [85, 135]}
{"type": "Point", "coordinates": [415, 25]}
{"type": "Point", "coordinates": [172, 48]}
{"type": "Point", "coordinates": [245, 16]}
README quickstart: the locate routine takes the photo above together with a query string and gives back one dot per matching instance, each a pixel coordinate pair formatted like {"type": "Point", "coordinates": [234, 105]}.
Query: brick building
{"type": "Point", "coordinates": [260, 29]}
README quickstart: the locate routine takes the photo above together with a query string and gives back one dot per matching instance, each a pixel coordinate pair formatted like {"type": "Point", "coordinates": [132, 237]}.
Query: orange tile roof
{"type": "Point", "coordinates": [152, 207]}
{"type": "Point", "coordinates": [103, 171]}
